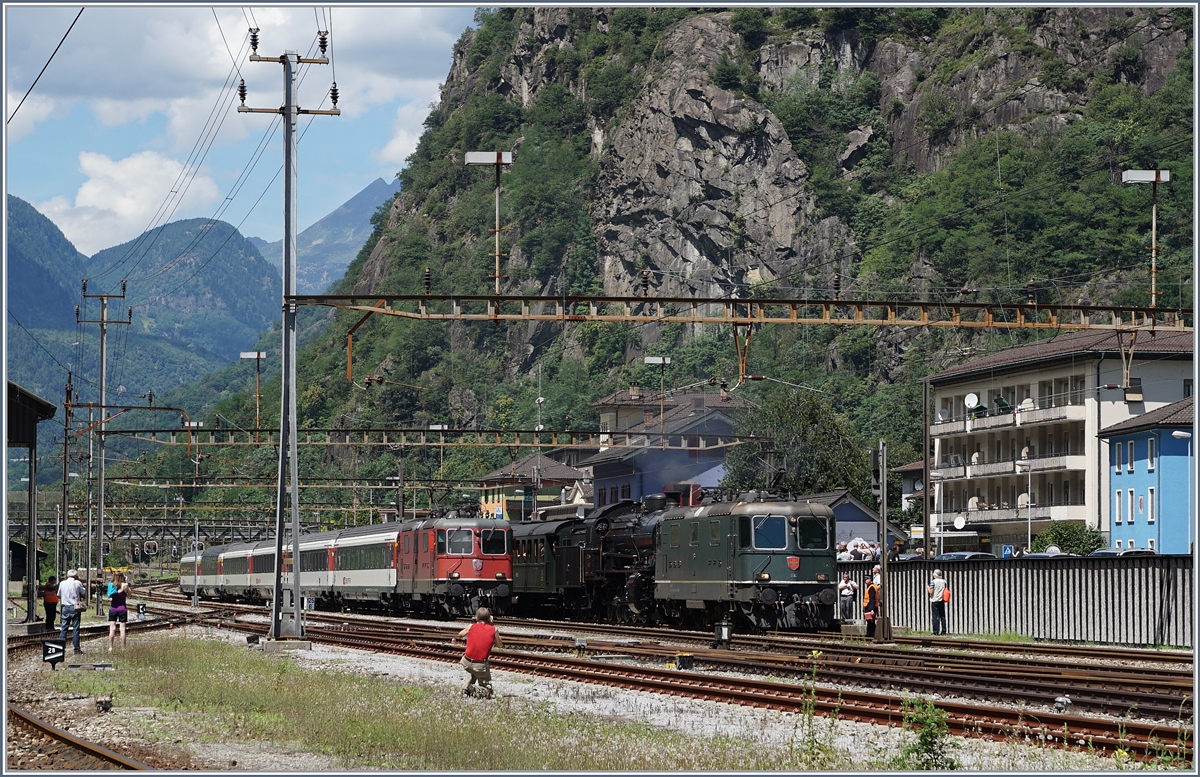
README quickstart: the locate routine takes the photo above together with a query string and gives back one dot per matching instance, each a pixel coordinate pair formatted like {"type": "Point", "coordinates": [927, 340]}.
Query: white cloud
{"type": "Point", "coordinates": [120, 198]}
{"type": "Point", "coordinates": [406, 131]}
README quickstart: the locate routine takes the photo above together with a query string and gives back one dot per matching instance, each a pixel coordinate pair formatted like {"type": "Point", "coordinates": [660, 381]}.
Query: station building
{"type": "Point", "coordinates": [1016, 434]}
{"type": "Point", "coordinates": [1151, 497]}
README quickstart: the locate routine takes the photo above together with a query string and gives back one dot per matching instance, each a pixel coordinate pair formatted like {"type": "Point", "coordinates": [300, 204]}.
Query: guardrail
{"type": "Point", "coordinates": [1145, 601]}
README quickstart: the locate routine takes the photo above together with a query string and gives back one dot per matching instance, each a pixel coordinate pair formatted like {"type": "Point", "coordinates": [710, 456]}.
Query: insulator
{"type": "Point", "coordinates": [645, 283]}
{"type": "Point", "coordinates": [254, 39]}
{"type": "Point", "coordinates": [323, 37]}
{"type": "Point", "coordinates": [76, 313]}
{"type": "Point", "coordinates": [428, 279]}
{"type": "Point", "coordinates": [242, 90]}
{"type": "Point", "coordinates": [182, 422]}
{"type": "Point", "coordinates": [131, 315]}
{"type": "Point", "coordinates": [123, 283]}
{"type": "Point", "coordinates": [1031, 291]}
{"type": "Point", "coordinates": [837, 285]}
{"type": "Point", "coordinates": [85, 285]}
{"type": "Point", "coordinates": [333, 94]}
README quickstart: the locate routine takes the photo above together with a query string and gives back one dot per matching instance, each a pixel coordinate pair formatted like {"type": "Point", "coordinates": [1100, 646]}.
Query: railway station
{"type": "Point", "coordinates": [799, 389]}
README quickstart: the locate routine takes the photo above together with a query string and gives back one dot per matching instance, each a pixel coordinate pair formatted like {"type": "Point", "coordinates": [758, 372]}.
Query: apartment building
{"type": "Point", "coordinates": [1015, 434]}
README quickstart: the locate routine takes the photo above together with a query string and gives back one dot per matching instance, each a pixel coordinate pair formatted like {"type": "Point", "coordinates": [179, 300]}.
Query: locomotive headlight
{"type": "Point", "coordinates": [500, 576]}
{"type": "Point", "coordinates": [822, 577]}
{"type": "Point", "coordinates": [454, 575]}
{"type": "Point", "coordinates": [764, 577]}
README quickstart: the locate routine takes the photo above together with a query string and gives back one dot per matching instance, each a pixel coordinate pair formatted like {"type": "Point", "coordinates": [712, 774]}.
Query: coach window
{"type": "Point", "coordinates": [714, 532]}
{"type": "Point", "coordinates": [674, 535]}
{"type": "Point", "coordinates": [770, 532]}
{"type": "Point", "coordinates": [812, 533]}
{"type": "Point", "coordinates": [491, 542]}
{"type": "Point", "coordinates": [694, 533]}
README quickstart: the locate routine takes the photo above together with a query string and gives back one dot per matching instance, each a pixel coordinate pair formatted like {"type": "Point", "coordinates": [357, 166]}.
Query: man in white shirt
{"type": "Point", "coordinates": [72, 598]}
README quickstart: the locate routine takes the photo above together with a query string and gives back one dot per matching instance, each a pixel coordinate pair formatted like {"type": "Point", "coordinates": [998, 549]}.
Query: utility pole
{"type": "Point", "coordinates": [291, 625]}
{"type": "Point", "coordinates": [58, 555]}
{"type": "Point", "coordinates": [103, 321]}
{"type": "Point", "coordinates": [883, 632]}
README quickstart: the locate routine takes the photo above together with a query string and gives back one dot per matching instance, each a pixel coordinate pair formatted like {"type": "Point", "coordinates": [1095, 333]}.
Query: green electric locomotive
{"type": "Point", "coordinates": [757, 558]}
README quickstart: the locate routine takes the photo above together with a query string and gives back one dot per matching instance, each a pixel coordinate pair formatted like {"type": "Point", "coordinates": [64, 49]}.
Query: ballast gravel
{"type": "Point", "coordinates": [142, 732]}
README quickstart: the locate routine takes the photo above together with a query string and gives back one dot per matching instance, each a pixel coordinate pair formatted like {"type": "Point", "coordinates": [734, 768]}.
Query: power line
{"type": "Point", "coordinates": [39, 75]}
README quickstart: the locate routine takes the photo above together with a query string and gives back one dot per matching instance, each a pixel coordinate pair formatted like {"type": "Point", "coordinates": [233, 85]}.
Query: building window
{"type": "Point", "coordinates": [1150, 454]}
{"type": "Point", "coordinates": [1118, 506]}
{"type": "Point", "coordinates": [1118, 458]}
{"type": "Point", "coordinates": [1150, 505]}
{"type": "Point", "coordinates": [1150, 544]}
{"type": "Point", "coordinates": [1131, 455]}
{"type": "Point", "coordinates": [1066, 492]}
{"type": "Point", "coordinates": [1130, 505]}
{"type": "Point", "coordinates": [612, 495]}
{"type": "Point", "coordinates": [599, 497]}
{"type": "Point", "coordinates": [1118, 543]}
{"type": "Point", "coordinates": [1187, 387]}
{"type": "Point", "coordinates": [625, 491]}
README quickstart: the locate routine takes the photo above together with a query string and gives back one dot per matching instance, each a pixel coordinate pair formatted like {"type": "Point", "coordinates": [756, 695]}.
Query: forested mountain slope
{"type": "Point", "coordinates": [938, 154]}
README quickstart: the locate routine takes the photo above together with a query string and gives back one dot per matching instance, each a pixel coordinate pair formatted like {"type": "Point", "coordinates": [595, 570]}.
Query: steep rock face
{"type": "Point", "coordinates": [700, 186]}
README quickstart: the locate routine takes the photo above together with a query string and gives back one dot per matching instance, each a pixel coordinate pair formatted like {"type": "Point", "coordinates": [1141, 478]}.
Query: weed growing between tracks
{"type": "Point", "coordinates": [932, 746]}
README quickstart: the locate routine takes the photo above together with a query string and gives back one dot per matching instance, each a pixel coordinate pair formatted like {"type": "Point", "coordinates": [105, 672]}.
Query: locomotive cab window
{"type": "Point", "coordinates": [770, 532]}
{"type": "Point", "coordinates": [459, 542]}
{"type": "Point", "coordinates": [407, 544]}
{"type": "Point", "coordinates": [441, 541]}
{"type": "Point", "coordinates": [694, 533]}
{"type": "Point", "coordinates": [492, 542]}
{"type": "Point", "coordinates": [812, 533]}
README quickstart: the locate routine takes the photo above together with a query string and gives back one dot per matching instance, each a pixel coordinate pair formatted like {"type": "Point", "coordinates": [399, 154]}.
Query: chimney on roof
{"type": "Point", "coordinates": [698, 403]}
{"type": "Point", "coordinates": [635, 392]}
{"type": "Point", "coordinates": [648, 417]}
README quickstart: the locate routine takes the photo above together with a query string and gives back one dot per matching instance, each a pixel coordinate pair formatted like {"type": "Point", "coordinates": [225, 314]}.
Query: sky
{"type": "Point", "coordinates": [134, 121]}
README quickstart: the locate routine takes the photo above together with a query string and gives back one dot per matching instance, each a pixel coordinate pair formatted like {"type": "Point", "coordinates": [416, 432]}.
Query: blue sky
{"type": "Point", "coordinates": [104, 144]}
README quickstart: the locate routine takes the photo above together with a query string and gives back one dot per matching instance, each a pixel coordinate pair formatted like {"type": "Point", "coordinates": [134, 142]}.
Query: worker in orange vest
{"type": "Point", "coordinates": [50, 600]}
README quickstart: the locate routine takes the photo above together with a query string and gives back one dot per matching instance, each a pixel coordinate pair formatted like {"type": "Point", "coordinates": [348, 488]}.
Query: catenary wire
{"type": "Point", "coordinates": [43, 70]}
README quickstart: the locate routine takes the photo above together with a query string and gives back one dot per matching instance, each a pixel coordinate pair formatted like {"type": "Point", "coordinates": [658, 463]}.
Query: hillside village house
{"type": "Point", "coordinates": [1016, 434]}
{"type": "Point", "coordinates": [517, 491]}
{"type": "Point", "coordinates": [698, 418]}
{"type": "Point", "coordinates": [1151, 493]}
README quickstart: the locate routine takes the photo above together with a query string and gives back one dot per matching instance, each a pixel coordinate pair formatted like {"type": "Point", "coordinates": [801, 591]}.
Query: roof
{"type": "Point", "coordinates": [1179, 414]}
{"type": "Point", "coordinates": [1088, 344]}
{"type": "Point", "coordinates": [25, 411]}
{"type": "Point", "coordinates": [916, 466]}
{"type": "Point", "coordinates": [832, 498]}
{"type": "Point", "coordinates": [548, 470]}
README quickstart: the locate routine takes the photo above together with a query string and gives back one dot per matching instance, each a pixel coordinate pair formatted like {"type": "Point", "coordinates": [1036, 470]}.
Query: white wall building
{"type": "Point", "coordinates": [1042, 403]}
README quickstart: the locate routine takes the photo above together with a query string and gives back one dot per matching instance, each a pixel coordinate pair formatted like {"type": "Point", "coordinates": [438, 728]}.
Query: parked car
{"type": "Point", "coordinates": [963, 555]}
{"type": "Point", "coordinates": [1051, 555]}
{"type": "Point", "coordinates": [910, 557]}
{"type": "Point", "coordinates": [1123, 552]}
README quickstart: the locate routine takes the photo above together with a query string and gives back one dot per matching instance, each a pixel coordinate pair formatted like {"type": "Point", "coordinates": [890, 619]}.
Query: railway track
{"type": "Point", "coordinates": [1141, 739]}
{"type": "Point", "coordinates": [35, 744]}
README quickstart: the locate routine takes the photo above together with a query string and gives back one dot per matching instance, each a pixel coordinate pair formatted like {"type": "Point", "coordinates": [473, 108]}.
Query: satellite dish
{"type": "Point", "coordinates": [1053, 549]}
{"type": "Point", "coordinates": [960, 522]}
{"type": "Point", "coordinates": [972, 400]}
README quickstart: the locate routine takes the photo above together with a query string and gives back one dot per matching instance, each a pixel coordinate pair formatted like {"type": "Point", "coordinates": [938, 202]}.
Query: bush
{"type": "Point", "coordinates": [1070, 538]}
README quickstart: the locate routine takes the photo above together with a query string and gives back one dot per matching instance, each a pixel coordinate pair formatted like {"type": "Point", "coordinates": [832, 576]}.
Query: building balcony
{"type": "Point", "coordinates": [1008, 467]}
{"type": "Point", "coordinates": [985, 423]}
{"type": "Point", "coordinates": [944, 428]}
{"type": "Point", "coordinates": [1052, 463]}
{"type": "Point", "coordinates": [1048, 415]}
{"type": "Point", "coordinates": [1002, 514]}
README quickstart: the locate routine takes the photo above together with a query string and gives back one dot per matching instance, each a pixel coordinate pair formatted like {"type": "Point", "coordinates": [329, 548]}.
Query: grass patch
{"type": "Point", "coordinates": [228, 692]}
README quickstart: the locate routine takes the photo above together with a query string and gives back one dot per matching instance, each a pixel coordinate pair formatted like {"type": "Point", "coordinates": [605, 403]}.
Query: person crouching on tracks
{"type": "Point", "coordinates": [481, 637]}
{"type": "Point", "coordinates": [118, 610]}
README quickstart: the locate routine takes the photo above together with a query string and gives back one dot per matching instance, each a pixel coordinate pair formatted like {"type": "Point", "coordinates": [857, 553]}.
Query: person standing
{"type": "Point", "coordinates": [118, 611]}
{"type": "Point", "coordinates": [871, 605]}
{"type": "Point", "coordinates": [846, 591]}
{"type": "Point", "coordinates": [50, 601]}
{"type": "Point", "coordinates": [73, 598]}
{"type": "Point", "coordinates": [937, 590]}
{"type": "Point", "coordinates": [481, 637]}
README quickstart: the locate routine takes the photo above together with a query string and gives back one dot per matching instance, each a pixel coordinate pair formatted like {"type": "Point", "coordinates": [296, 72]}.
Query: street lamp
{"type": "Point", "coordinates": [499, 159]}
{"type": "Point", "coordinates": [1028, 465]}
{"type": "Point", "coordinates": [662, 362]}
{"type": "Point", "coordinates": [1153, 177]}
{"type": "Point", "coordinates": [257, 356]}
{"type": "Point", "coordinates": [1182, 435]}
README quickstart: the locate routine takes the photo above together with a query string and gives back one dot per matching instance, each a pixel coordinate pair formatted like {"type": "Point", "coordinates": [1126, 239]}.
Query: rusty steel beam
{"type": "Point", "coordinates": [448, 438]}
{"type": "Point", "coordinates": [689, 310]}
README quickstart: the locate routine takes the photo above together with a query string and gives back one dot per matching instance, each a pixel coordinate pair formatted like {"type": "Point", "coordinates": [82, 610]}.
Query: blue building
{"type": "Point", "coordinates": [1152, 498]}
{"type": "Point", "coordinates": [856, 520]}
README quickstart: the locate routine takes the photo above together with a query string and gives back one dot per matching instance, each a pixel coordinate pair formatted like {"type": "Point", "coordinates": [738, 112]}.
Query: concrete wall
{"type": "Point", "coordinates": [1139, 601]}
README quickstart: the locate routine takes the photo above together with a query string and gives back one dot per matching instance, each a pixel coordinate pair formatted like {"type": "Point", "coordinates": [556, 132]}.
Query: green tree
{"type": "Point", "coordinates": [815, 449]}
{"type": "Point", "coordinates": [1070, 538]}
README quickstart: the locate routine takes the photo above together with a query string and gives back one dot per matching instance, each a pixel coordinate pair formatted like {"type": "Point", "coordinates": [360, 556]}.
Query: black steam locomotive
{"type": "Point", "coordinates": [758, 560]}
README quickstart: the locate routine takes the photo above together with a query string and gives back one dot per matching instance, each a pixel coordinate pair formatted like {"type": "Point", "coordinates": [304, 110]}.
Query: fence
{"type": "Point", "coordinates": [1133, 600]}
